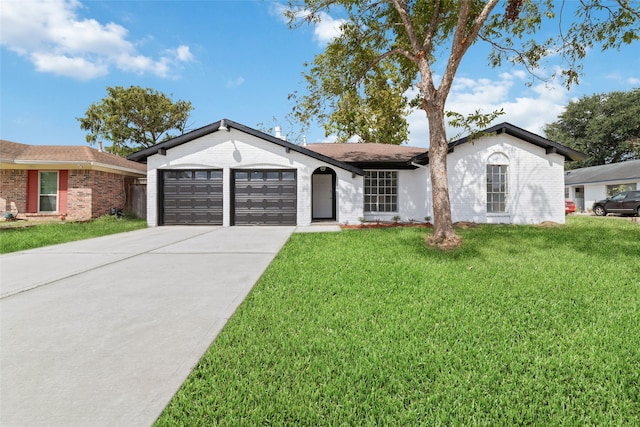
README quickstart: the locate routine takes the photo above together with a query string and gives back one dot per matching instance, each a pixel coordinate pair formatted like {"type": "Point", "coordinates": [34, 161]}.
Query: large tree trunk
{"type": "Point", "coordinates": [444, 236]}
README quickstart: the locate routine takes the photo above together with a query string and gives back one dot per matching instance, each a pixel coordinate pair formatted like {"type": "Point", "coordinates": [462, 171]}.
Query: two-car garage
{"type": "Point", "coordinates": [257, 197]}
{"type": "Point", "coordinates": [228, 174]}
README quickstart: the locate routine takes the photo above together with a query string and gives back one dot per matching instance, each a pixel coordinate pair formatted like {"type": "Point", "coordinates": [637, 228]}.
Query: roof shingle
{"type": "Point", "coordinates": [629, 170]}
{"type": "Point", "coordinates": [15, 152]}
{"type": "Point", "coordinates": [367, 152]}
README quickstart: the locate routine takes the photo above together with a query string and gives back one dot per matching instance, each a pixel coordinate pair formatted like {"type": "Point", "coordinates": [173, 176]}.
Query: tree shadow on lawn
{"type": "Point", "coordinates": [611, 240]}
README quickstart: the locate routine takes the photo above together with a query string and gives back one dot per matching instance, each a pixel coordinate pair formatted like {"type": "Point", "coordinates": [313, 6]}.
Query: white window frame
{"type": "Point", "coordinates": [56, 195]}
{"type": "Point", "coordinates": [387, 191]}
{"type": "Point", "coordinates": [493, 194]}
{"type": "Point", "coordinates": [619, 188]}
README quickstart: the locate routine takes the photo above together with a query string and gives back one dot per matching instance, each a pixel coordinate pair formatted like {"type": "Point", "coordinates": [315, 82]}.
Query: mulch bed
{"type": "Point", "coordinates": [386, 225]}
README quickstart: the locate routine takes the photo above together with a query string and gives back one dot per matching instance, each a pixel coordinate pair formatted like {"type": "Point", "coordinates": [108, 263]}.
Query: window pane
{"type": "Point", "coordinates": [380, 189]}
{"type": "Point", "coordinates": [48, 203]}
{"type": "Point", "coordinates": [618, 188]}
{"type": "Point", "coordinates": [48, 182]}
{"type": "Point", "coordinates": [497, 188]}
{"type": "Point", "coordinates": [202, 175]}
{"type": "Point", "coordinates": [289, 176]}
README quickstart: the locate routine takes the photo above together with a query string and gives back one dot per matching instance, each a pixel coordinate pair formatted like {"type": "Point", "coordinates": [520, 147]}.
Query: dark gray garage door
{"type": "Point", "coordinates": [191, 197]}
{"type": "Point", "coordinates": [266, 197]}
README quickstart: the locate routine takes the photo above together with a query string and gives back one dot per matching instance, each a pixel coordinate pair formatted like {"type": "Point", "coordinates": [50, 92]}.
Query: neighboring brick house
{"type": "Point", "coordinates": [80, 182]}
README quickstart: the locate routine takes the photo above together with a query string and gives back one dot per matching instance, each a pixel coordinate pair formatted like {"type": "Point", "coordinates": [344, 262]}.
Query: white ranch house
{"type": "Point", "coordinates": [587, 185]}
{"type": "Point", "coordinates": [229, 174]}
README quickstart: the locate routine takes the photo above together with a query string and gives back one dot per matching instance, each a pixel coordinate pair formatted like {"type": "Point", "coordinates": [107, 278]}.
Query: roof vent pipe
{"type": "Point", "coordinates": [100, 146]}
{"type": "Point", "coordinates": [278, 131]}
{"type": "Point", "coordinates": [223, 126]}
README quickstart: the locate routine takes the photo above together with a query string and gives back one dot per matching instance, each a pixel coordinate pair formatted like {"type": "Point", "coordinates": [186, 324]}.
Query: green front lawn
{"type": "Point", "coordinates": [522, 326]}
{"type": "Point", "coordinates": [15, 236]}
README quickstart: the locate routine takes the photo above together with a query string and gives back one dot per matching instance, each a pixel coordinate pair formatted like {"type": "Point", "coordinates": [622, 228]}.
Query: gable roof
{"type": "Point", "coordinates": [530, 137]}
{"type": "Point", "coordinates": [629, 170]}
{"type": "Point", "coordinates": [141, 156]}
{"type": "Point", "coordinates": [369, 154]}
{"type": "Point", "coordinates": [15, 153]}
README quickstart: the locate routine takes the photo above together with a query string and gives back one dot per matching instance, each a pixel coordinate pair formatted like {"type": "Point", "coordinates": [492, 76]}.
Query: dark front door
{"type": "Point", "coordinates": [191, 197]}
{"type": "Point", "coordinates": [264, 197]}
{"type": "Point", "coordinates": [323, 204]}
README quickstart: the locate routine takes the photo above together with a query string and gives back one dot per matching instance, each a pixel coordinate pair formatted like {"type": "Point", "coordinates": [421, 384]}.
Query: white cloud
{"type": "Point", "coordinates": [63, 65]}
{"type": "Point", "coordinates": [51, 35]}
{"type": "Point", "coordinates": [620, 79]}
{"type": "Point", "coordinates": [235, 82]}
{"type": "Point", "coordinates": [326, 29]}
{"type": "Point", "coordinates": [536, 107]}
{"type": "Point", "coordinates": [183, 54]}
{"type": "Point", "coordinates": [279, 11]}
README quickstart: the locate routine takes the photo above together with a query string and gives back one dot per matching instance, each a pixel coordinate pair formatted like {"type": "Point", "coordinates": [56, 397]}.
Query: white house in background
{"type": "Point", "coordinates": [229, 174]}
{"type": "Point", "coordinates": [587, 185]}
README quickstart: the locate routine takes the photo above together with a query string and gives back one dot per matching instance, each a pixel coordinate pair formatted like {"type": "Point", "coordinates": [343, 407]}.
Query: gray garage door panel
{"type": "Point", "coordinates": [192, 197]}
{"type": "Point", "coordinates": [265, 197]}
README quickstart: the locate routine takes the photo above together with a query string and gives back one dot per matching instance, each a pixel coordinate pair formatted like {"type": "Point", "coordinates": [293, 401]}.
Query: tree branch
{"type": "Point", "coordinates": [462, 40]}
{"type": "Point", "coordinates": [427, 45]}
{"type": "Point", "coordinates": [636, 13]}
{"type": "Point", "coordinates": [379, 59]}
{"type": "Point", "coordinates": [401, 7]}
{"type": "Point", "coordinates": [517, 53]}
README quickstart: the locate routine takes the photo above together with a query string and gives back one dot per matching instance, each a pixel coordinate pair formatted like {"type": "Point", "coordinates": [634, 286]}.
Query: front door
{"type": "Point", "coordinates": [322, 198]}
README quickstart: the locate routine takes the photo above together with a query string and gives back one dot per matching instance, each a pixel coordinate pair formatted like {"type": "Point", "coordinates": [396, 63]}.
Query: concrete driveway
{"type": "Point", "coordinates": [103, 332]}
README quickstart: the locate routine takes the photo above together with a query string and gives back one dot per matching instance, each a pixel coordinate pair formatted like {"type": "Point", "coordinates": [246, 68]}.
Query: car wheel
{"type": "Point", "coordinates": [638, 211]}
{"type": "Point", "coordinates": [599, 211]}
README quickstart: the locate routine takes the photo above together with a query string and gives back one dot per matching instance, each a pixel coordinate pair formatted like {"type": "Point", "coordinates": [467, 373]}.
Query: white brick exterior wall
{"type": "Point", "coordinates": [536, 182]}
{"type": "Point", "coordinates": [238, 150]}
{"type": "Point", "coordinates": [536, 179]}
{"type": "Point", "coordinates": [412, 197]}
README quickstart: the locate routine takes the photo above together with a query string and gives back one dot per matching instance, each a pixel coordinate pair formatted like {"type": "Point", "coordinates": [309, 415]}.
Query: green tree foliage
{"type": "Point", "coordinates": [134, 118]}
{"type": "Point", "coordinates": [605, 126]}
{"type": "Point", "coordinates": [385, 61]}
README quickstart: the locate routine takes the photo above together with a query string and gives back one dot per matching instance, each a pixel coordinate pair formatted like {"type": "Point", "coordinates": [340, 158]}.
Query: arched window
{"type": "Point", "coordinates": [498, 183]}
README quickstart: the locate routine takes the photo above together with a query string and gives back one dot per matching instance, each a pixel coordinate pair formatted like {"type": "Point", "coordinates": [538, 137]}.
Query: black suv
{"type": "Point", "coordinates": [627, 202]}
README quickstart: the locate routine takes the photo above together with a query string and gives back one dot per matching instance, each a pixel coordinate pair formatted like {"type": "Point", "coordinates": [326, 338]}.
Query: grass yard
{"type": "Point", "coordinates": [14, 237]}
{"type": "Point", "coordinates": [522, 326]}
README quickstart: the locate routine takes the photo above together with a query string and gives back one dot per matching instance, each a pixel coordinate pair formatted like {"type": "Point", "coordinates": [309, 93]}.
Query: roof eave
{"type": "Point", "coordinates": [553, 147]}
{"type": "Point", "coordinates": [141, 156]}
{"type": "Point", "coordinates": [73, 163]}
{"type": "Point", "coordinates": [401, 164]}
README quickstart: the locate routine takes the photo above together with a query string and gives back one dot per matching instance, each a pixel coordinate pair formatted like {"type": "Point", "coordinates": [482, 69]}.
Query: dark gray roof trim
{"type": "Point", "coordinates": [550, 146]}
{"type": "Point", "coordinates": [618, 172]}
{"type": "Point", "coordinates": [142, 155]}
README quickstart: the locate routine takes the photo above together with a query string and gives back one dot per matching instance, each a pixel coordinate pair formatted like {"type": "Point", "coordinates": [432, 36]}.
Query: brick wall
{"type": "Point", "coordinates": [535, 182]}
{"type": "Point", "coordinates": [13, 190]}
{"type": "Point", "coordinates": [79, 193]}
{"type": "Point", "coordinates": [93, 193]}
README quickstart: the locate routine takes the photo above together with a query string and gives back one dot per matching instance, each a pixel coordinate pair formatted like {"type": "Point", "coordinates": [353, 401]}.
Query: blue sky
{"type": "Point", "coordinates": [231, 59]}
